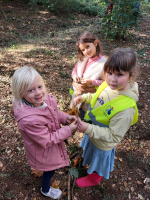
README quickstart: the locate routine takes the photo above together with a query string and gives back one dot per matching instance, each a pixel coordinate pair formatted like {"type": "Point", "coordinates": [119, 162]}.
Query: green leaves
{"type": "Point", "coordinates": [124, 16]}
{"type": "Point", "coordinates": [74, 172]}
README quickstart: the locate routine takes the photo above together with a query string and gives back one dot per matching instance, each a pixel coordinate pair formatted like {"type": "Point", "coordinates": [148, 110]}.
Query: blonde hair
{"type": "Point", "coordinates": [22, 81]}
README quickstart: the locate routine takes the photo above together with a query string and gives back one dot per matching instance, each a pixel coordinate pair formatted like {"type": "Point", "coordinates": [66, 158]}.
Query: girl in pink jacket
{"type": "Point", "coordinates": [39, 123]}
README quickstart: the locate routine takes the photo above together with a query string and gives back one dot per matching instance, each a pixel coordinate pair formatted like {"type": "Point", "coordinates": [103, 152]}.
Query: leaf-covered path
{"type": "Point", "coordinates": [40, 39]}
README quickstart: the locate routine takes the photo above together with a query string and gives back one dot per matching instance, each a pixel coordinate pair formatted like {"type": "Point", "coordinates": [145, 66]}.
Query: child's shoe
{"type": "Point", "coordinates": [89, 180]}
{"type": "Point", "coordinates": [53, 193]}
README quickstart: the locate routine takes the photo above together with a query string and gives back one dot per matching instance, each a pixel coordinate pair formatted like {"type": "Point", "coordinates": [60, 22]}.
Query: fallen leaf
{"type": "Point", "coordinates": [147, 180]}
{"type": "Point", "coordinates": [129, 196]}
{"type": "Point", "coordinates": [147, 187]}
{"type": "Point", "coordinates": [139, 182]}
{"type": "Point", "coordinates": [81, 135]}
{"type": "Point", "coordinates": [4, 168]}
{"type": "Point", "coordinates": [120, 159]}
{"type": "Point", "coordinates": [132, 189]}
{"type": "Point", "coordinates": [140, 197]}
{"type": "Point", "coordinates": [113, 185]}
{"type": "Point", "coordinates": [56, 184]}
{"type": "Point", "coordinates": [125, 184]}
{"type": "Point", "coordinates": [64, 194]}
{"type": "Point", "coordinates": [120, 189]}
{"type": "Point", "coordinates": [1, 164]}
{"type": "Point", "coordinates": [36, 173]}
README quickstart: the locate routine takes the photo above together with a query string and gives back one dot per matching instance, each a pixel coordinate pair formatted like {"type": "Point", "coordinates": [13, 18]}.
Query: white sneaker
{"type": "Point", "coordinates": [53, 193]}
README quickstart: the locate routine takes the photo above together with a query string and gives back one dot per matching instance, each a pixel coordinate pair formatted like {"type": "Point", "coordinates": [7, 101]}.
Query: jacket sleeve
{"type": "Point", "coordinates": [118, 126]}
{"type": "Point", "coordinates": [62, 117]}
{"type": "Point", "coordinates": [87, 97]}
{"type": "Point", "coordinates": [74, 72]}
{"type": "Point", "coordinates": [32, 131]}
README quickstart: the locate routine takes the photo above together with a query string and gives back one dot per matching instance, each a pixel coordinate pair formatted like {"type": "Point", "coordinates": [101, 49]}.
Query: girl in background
{"type": "Point", "coordinates": [39, 123]}
{"type": "Point", "coordinates": [112, 111]}
{"type": "Point", "coordinates": [88, 72]}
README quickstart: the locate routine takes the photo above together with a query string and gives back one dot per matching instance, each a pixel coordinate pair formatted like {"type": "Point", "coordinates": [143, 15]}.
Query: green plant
{"type": "Point", "coordinates": [67, 6]}
{"type": "Point", "coordinates": [118, 22]}
{"type": "Point", "coordinates": [129, 158]}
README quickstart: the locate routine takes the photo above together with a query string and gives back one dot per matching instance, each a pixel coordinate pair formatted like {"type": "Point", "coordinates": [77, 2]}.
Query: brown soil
{"type": "Point", "coordinates": [34, 37]}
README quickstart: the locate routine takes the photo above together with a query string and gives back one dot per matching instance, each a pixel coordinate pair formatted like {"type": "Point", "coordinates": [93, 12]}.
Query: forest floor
{"type": "Point", "coordinates": [35, 37]}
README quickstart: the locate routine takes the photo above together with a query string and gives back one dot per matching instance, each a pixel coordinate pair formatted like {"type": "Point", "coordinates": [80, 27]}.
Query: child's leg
{"type": "Point", "coordinates": [89, 180]}
{"type": "Point", "coordinates": [46, 180]}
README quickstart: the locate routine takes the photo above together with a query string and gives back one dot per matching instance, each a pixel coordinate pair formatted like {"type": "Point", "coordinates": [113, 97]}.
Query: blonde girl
{"type": "Point", "coordinates": [39, 122]}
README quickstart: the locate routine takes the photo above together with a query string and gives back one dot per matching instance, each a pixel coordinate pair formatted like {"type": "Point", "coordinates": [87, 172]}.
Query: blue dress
{"type": "Point", "coordinates": [100, 161]}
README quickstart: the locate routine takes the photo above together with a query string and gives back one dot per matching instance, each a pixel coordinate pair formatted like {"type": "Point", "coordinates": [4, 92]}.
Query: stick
{"type": "Point", "coordinates": [69, 185]}
{"type": "Point", "coordinates": [73, 155]}
{"type": "Point", "coordinates": [73, 187]}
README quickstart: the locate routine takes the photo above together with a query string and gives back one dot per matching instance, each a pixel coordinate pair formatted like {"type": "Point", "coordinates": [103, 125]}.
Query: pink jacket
{"type": "Point", "coordinates": [42, 135]}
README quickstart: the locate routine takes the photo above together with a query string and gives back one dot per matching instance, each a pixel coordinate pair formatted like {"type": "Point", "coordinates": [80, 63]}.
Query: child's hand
{"type": "Point", "coordinates": [73, 126]}
{"type": "Point", "coordinates": [70, 119]}
{"type": "Point", "coordinates": [86, 82]}
{"type": "Point", "coordinates": [82, 126]}
{"type": "Point", "coordinates": [76, 78]}
{"type": "Point", "coordinates": [77, 100]}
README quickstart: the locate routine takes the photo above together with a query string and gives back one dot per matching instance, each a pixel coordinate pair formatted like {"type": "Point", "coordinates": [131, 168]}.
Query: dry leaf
{"type": "Point", "coordinates": [125, 184]}
{"type": "Point", "coordinates": [129, 196]}
{"type": "Point", "coordinates": [4, 168]}
{"type": "Point", "coordinates": [113, 185]}
{"type": "Point", "coordinates": [147, 187]}
{"type": "Point", "coordinates": [147, 180]}
{"type": "Point", "coordinates": [81, 135]}
{"type": "Point", "coordinates": [56, 184]}
{"type": "Point", "coordinates": [120, 189]}
{"type": "Point", "coordinates": [1, 164]}
{"type": "Point", "coordinates": [73, 111]}
{"type": "Point", "coordinates": [140, 197]}
{"type": "Point", "coordinates": [76, 161]}
{"type": "Point", "coordinates": [64, 194]}
{"type": "Point", "coordinates": [120, 159]}
{"type": "Point", "coordinates": [132, 189]}
{"type": "Point", "coordinates": [139, 182]}
{"type": "Point", "coordinates": [36, 173]}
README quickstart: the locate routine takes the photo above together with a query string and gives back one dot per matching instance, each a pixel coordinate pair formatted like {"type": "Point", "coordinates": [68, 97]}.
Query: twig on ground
{"type": "Point", "coordinates": [69, 177]}
{"type": "Point", "coordinates": [73, 187]}
{"type": "Point", "coordinates": [73, 155]}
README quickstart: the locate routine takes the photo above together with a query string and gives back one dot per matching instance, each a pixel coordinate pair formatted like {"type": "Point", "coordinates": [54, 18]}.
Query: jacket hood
{"type": "Point", "coordinates": [25, 110]}
{"type": "Point", "coordinates": [132, 93]}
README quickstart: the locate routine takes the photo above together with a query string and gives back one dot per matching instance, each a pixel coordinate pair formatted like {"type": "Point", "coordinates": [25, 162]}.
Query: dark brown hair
{"type": "Point", "coordinates": [87, 37]}
{"type": "Point", "coordinates": [122, 59]}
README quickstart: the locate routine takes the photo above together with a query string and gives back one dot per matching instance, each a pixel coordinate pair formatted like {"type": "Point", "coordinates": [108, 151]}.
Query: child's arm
{"type": "Point", "coordinates": [74, 74]}
{"type": "Point", "coordinates": [83, 98]}
{"type": "Point", "coordinates": [87, 82]}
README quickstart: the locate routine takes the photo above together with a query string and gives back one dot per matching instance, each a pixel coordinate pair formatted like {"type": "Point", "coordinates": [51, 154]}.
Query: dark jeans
{"type": "Point", "coordinates": [46, 180]}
